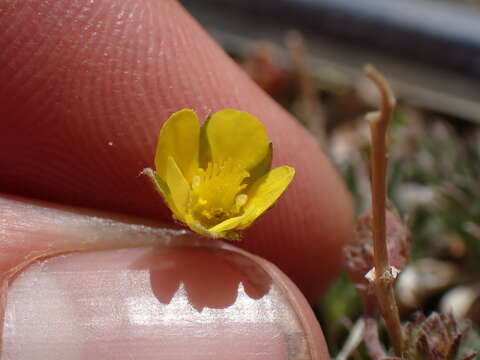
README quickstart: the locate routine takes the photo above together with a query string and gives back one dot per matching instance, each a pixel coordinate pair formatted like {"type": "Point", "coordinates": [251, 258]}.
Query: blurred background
{"type": "Point", "coordinates": [309, 56]}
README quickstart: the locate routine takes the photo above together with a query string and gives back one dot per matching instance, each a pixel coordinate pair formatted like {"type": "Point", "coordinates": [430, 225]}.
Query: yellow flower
{"type": "Point", "coordinates": [216, 178]}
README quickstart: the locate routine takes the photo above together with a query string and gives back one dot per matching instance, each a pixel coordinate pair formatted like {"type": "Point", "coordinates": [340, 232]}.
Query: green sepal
{"type": "Point", "coordinates": [262, 167]}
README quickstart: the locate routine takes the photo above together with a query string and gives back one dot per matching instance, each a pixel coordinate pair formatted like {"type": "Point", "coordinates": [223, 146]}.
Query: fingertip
{"type": "Point", "coordinates": [86, 87]}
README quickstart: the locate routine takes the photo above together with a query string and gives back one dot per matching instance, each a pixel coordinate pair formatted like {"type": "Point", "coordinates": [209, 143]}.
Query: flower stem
{"type": "Point", "coordinates": [384, 277]}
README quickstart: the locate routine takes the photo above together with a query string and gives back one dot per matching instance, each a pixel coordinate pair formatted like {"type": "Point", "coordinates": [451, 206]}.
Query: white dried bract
{"type": "Point", "coordinates": [390, 275]}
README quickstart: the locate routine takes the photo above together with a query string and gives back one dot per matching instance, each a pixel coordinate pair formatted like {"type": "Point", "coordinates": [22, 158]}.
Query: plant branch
{"type": "Point", "coordinates": [354, 339]}
{"type": "Point", "coordinates": [372, 342]}
{"type": "Point", "coordinates": [383, 276]}
{"type": "Point", "coordinates": [310, 110]}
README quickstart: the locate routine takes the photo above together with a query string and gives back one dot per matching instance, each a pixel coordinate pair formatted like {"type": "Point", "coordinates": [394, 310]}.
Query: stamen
{"type": "Point", "coordinates": [216, 191]}
{"type": "Point", "coordinates": [206, 214]}
{"type": "Point", "coordinates": [196, 181]}
{"type": "Point", "coordinates": [240, 200]}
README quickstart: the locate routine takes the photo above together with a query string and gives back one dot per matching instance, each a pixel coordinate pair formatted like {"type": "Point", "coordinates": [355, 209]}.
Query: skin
{"type": "Point", "coordinates": [84, 89]}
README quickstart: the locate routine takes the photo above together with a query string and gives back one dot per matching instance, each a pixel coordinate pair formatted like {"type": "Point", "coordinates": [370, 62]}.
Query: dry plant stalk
{"type": "Point", "coordinates": [383, 276]}
{"type": "Point", "coordinates": [311, 112]}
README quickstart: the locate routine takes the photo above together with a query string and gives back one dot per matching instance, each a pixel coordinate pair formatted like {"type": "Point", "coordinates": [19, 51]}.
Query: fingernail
{"type": "Point", "coordinates": [179, 302]}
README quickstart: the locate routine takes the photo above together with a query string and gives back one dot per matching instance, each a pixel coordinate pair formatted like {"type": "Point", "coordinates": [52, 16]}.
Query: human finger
{"type": "Point", "coordinates": [84, 89]}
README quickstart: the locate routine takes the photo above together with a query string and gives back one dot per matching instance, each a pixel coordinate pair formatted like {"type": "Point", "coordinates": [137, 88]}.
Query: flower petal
{"type": "Point", "coordinates": [264, 192]}
{"type": "Point", "coordinates": [205, 155]}
{"type": "Point", "coordinates": [263, 195]}
{"type": "Point", "coordinates": [178, 186]}
{"type": "Point", "coordinates": [238, 136]}
{"type": "Point", "coordinates": [179, 139]}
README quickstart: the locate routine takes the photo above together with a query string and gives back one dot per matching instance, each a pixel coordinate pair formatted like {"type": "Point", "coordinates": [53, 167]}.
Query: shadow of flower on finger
{"type": "Point", "coordinates": [212, 278]}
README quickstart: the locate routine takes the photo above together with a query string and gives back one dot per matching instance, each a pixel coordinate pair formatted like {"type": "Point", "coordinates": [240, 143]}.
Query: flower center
{"type": "Point", "coordinates": [217, 193]}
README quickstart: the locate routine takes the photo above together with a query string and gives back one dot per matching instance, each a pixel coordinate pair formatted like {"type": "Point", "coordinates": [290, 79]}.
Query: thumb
{"type": "Point", "coordinates": [183, 299]}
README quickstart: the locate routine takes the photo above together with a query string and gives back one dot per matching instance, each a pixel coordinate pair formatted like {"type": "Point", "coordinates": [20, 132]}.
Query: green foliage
{"type": "Point", "coordinates": [340, 306]}
{"type": "Point", "coordinates": [470, 344]}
